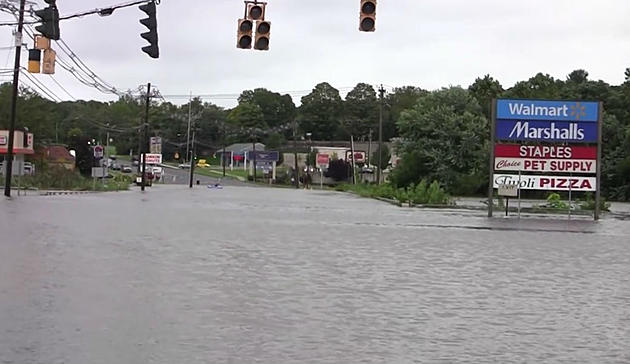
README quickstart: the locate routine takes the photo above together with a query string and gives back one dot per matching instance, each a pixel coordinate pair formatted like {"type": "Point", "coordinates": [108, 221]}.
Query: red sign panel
{"type": "Point", "coordinates": [545, 151]}
{"type": "Point", "coordinates": [322, 159]}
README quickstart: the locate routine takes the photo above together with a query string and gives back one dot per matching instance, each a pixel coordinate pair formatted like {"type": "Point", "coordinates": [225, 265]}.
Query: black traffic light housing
{"type": "Point", "coordinates": [368, 16]}
{"type": "Point", "coordinates": [50, 21]}
{"type": "Point", "coordinates": [244, 34]}
{"type": "Point", "coordinates": [263, 31]}
{"type": "Point", "coordinates": [150, 36]}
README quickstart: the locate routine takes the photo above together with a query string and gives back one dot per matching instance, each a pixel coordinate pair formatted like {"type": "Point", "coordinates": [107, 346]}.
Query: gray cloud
{"type": "Point", "coordinates": [425, 43]}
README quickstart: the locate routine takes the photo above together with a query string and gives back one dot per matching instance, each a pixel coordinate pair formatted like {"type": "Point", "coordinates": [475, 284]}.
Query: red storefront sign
{"type": "Point", "coordinates": [545, 151]}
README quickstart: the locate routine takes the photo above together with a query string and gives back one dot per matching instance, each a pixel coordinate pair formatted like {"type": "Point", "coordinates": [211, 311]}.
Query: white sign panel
{"type": "Point", "coordinates": [552, 183]}
{"type": "Point", "coordinates": [545, 165]}
{"type": "Point", "coordinates": [152, 158]}
{"type": "Point", "coordinates": [508, 190]}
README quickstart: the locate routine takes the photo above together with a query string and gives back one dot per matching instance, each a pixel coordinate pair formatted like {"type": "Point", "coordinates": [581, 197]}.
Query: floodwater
{"type": "Point", "coordinates": [257, 275]}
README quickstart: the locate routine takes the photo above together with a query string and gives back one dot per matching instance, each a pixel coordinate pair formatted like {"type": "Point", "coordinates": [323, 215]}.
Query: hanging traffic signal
{"type": "Point", "coordinates": [244, 34]}
{"type": "Point", "coordinates": [256, 11]}
{"type": "Point", "coordinates": [263, 31]}
{"type": "Point", "coordinates": [368, 16]}
{"type": "Point", "coordinates": [34, 60]}
{"type": "Point", "coordinates": [50, 21]}
{"type": "Point", "coordinates": [151, 36]}
{"type": "Point", "coordinates": [48, 66]}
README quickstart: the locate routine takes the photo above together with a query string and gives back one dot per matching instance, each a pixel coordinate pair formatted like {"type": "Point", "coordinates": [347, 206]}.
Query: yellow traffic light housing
{"type": "Point", "coordinates": [263, 32]}
{"type": "Point", "coordinates": [34, 60]}
{"type": "Point", "coordinates": [244, 34]}
{"type": "Point", "coordinates": [368, 16]}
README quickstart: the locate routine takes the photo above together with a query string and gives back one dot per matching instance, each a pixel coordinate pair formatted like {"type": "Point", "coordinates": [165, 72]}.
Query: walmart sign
{"type": "Point", "coordinates": [575, 111]}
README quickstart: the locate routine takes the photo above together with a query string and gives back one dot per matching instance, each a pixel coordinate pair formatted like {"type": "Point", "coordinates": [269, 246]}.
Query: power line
{"type": "Point", "coordinates": [42, 88]}
{"type": "Point", "coordinates": [101, 11]}
{"type": "Point", "coordinates": [63, 88]}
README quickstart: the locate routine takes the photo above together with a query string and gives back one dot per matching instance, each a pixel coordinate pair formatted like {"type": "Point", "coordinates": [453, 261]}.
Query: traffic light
{"type": "Point", "coordinates": [368, 16]}
{"type": "Point", "coordinates": [244, 34]}
{"type": "Point", "coordinates": [48, 66]}
{"type": "Point", "coordinates": [50, 21]}
{"type": "Point", "coordinates": [34, 59]}
{"type": "Point", "coordinates": [263, 30]}
{"type": "Point", "coordinates": [151, 36]}
{"type": "Point", "coordinates": [256, 11]}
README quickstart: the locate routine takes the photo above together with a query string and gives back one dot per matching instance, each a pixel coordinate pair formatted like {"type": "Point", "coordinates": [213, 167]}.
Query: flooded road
{"type": "Point", "coordinates": [246, 275]}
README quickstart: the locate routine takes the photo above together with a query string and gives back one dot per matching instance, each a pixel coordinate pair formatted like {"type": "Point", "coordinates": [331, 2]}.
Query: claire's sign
{"type": "Point", "coordinates": [552, 183]}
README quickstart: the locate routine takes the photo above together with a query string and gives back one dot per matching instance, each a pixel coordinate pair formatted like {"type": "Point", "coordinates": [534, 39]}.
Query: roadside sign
{"type": "Point", "coordinates": [548, 110]}
{"type": "Point", "coordinates": [546, 131]}
{"type": "Point", "coordinates": [359, 157]}
{"type": "Point", "coordinates": [98, 172]}
{"type": "Point", "coordinates": [98, 151]}
{"type": "Point", "coordinates": [508, 190]}
{"type": "Point", "coordinates": [550, 132]}
{"type": "Point", "coordinates": [545, 151]}
{"type": "Point", "coordinates": [551, 183]}
{"type": "Point", "coordinates": [156, 145]}
{"type": "Point", "coordinates": [545, 165]}
{"type": "Point", "coordinates": [262, 156]}
{"type": "Point", "coordinates": [152, 158]}
{"type": "Point", "coordinates": [3, 140]}
{"type": "Point", "coordinates": [323, 160]}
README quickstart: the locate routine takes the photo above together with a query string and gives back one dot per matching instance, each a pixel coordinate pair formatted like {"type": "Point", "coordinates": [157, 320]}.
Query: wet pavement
{"type": "Point", "coordinates": [244, 275]}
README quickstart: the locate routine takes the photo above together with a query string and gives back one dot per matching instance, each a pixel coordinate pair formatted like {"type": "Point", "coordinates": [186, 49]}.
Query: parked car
{"type": "Point", "coordinates": [184, 166]}
{"type": "Point", "coordinates": [126, 169]}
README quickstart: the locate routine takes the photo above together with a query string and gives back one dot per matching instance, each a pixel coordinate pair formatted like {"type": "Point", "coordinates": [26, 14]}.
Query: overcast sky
{"type": "Point", "coordinates": [427, 43]}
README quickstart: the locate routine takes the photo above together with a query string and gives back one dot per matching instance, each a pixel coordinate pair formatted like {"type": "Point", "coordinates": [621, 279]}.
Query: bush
{"type": "Point", "coordinates": [421, 194]}
{"type": "Point", "coordinates": [431, 195]}
{"type": "Point", "coordinates": [554, 202]}
{"type": "Point", "coordinates": [588, 203]}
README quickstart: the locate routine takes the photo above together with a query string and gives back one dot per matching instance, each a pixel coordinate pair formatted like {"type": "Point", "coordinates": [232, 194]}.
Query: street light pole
{"type": "Point", "coordinates": [16, 75]}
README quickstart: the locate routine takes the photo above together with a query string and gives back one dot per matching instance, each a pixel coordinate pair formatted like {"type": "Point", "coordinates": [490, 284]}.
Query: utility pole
{"type": "Point", "coordinates": [188, 132]}
{"type": "Point", "coordinates": [16, 74]}
{"type": "Point", "coordinates": [254, 158]}
{"type": "Point", "coordinates": [145, 137]}
{"type": "Point", "coordinates": [295, 156]}
{"type": "Point", "coordinates": [381, 94]}
{"type": "Point", "coordinates": [223, 154]}
{"type": "Point", "coordinates": [192, 159]}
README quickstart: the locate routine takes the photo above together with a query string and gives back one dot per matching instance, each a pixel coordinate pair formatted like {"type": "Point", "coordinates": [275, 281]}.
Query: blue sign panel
{"type": "Point", "coordinates": [548, 110]}
{"type": "Point", "coordinates": [547, 131]}
{"type": "Point", "coordinates": [262, 156]}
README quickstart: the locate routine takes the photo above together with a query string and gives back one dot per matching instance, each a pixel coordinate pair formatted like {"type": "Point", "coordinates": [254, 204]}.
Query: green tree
{"type": "Point", "coordinates": [444, 139]}
{"type": "Point", "coordinates": [277, 109]}
{"type": "Point", "coordinates": [484, 90]}
{"type": "Point", "coordinates": [321, 112]}
{"type": "Point", "coordinates": [401, 99]}
{"type": "Point", "coordinates": [385, 157]}
{"type": "Point", "coordinates": [360, 112]}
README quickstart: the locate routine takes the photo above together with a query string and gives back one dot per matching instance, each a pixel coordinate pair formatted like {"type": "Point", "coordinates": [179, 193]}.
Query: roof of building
{"type": "Point", "coordinates": [240, 148]}
{"type": "Point", "coordinates": [57, 153]}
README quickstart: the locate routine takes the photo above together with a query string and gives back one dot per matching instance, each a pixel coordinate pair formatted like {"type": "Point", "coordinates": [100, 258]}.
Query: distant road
{"type": "Point", "coordinates": [182, 176]}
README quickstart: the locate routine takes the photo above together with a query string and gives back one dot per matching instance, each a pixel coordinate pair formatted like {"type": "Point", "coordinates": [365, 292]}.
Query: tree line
{"type": "Point", "coordinates": [441, 134]}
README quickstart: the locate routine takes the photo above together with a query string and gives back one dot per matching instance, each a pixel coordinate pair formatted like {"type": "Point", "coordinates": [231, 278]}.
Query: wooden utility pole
{"type": "Point", "coordinates": [16, 75]}
{"type": "Point", "coordinates": [381, 94]}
